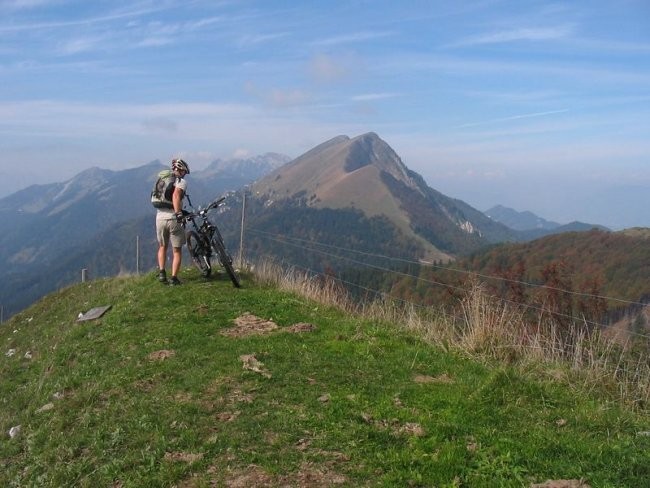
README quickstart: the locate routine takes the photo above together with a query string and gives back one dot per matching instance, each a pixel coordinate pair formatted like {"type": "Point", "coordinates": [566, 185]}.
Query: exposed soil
{"type": "Point", "coordinates": [251, 363]}
{"type": "Point", "coordinates": [444, 378]}
{"type": "Point", "coordinates": [184, 457]}
{"type": "Point", "coordinates": [161, 355]}
{"type": "Point", "coordinates": [561, 484]}
{"type": "Point", "coordinates": [249, 324]}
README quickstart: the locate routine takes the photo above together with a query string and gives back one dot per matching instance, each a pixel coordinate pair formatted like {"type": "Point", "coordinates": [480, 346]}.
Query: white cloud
{"type": "Point", "coordinates": [352, 38]}
{"type": "Point", "coordinates": [22, 4]}
{"type": "Point", "coordinates": [519, 34]}
{"type": "Point", "coordinates": [133, 11]}
{"type": "Point", "coordinates": [254, 40]}
{"type": "Point", "coordinates": [367, 97]}
{"type": "Point", "coordinates": [80, 45]}
{"type": "Point", "coordinates": [155, 41]}
{"type": "Point", "coordinates": [597, 73]}
{"type": "Point", "coordinates": [513, 117]}
{"type": "Point", "coordinates": [201, 23]}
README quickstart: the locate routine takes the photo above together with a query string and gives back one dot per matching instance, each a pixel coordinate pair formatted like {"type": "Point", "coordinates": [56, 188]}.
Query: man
{"type": "Point", "coordinates": [169, 220]}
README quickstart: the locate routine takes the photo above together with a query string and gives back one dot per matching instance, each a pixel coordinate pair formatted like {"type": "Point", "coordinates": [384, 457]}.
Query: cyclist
{"type": "Point", "coordinates": [169, 222]}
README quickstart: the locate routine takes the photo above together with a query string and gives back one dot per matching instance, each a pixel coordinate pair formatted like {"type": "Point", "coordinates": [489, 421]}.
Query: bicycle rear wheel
{"type": "Point", "coordinates": [225, 259]}
{"type": "Point", "coordinates": [199, 253]}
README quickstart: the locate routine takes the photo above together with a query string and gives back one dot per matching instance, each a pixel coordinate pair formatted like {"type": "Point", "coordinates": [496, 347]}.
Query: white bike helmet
{"type": "Point", "coordinates": [180, 165]}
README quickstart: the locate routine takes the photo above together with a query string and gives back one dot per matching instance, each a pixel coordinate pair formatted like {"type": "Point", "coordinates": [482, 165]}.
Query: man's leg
{"type": "Point", "coordinates": [177, 239]}
{"type": "Point", "coordinates": [162, 257]}
{"type": "Point", "coordinates": [176, 261]}
{"type": "Point", "coordinates": [162, 260]}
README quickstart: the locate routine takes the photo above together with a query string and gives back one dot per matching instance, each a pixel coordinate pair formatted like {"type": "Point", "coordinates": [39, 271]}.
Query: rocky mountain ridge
{"type": "Point", "coordinates": [366, 174]}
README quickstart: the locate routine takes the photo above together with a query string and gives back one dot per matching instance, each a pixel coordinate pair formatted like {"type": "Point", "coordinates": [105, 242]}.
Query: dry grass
{"type": "Point", "coordinates": [319, 289]}
{"type": "Point", "coordinates": [487, 328]}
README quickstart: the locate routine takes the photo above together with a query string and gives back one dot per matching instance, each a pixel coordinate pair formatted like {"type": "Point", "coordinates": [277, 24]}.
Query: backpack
{"type": "Point", "coordinates": [163, 189]}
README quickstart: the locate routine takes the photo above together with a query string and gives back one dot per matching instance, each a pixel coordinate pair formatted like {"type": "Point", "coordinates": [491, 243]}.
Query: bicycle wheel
{"type": "Point", "coordinates": [224, 257]}
{"type": "Point", "coordinates": [199, 253]}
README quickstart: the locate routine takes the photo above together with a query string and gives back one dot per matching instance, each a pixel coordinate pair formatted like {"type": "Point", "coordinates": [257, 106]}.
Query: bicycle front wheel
{"type": "Point", "coordinates": [225, 259]}
{"type": "Point", "coordinates": [199, 253]}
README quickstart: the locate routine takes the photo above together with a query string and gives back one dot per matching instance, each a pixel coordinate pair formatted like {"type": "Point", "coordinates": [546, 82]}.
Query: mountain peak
{"type": "Point", "coordinates": [335, 169]}
{"type": "Point", "coordinates": [369, 136]}
{"type": "Point", "coordinates": [369, 148]}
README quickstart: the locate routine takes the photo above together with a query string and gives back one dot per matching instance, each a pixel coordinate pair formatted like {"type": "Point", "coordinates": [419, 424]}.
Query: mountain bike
{"type": "Point", "coordinates": [204, 240]}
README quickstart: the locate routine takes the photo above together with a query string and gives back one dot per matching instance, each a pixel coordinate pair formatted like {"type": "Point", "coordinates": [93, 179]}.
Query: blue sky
{"type": "Point", "coordinates": [537, 105]}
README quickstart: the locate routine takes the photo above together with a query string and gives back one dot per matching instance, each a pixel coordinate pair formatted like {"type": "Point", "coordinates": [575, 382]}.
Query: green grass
{"type": "Point", "coordinates": [354, 402]}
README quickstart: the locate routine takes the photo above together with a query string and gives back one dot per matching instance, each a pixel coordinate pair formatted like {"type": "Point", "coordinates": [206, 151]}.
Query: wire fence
{"type": "Point", "coordinates": [632, 370]}
{"type": "Point", "coordinates": [344, 254]}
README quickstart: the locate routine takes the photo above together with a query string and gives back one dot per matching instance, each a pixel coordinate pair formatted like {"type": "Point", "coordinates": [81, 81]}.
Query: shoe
{"type": "Point", "coordinates": [162, 276]}
{"type": "Point", "coordinates": [174, 281]}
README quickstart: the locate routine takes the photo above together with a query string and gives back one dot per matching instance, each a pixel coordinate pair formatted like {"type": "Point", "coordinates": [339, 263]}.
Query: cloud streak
{"type": "Point", "coordinates": [512, 117]}
{"type": "Point", "coordinates": [352, 38]}
{"type": "Point", "coordinates": [369, 97]}
{"type": "Point", "coordinates": [80, 22]}
{"type": "Point", "coordinates": [521, 34]}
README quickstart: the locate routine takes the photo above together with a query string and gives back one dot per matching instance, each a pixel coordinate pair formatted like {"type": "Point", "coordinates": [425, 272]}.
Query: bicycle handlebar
{"type": "Point", "coordinates": [215, 204]}
{"type": "Point", "coordinates": [205, 210]}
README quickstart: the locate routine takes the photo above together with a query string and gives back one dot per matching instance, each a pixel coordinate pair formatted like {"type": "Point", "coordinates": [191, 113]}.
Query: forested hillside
{"type": "Point", "coordinates": [596, 278]}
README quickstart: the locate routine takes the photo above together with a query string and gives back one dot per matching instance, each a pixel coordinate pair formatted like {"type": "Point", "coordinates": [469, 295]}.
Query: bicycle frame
{"type": "Point", "coordinates": [205, 240]}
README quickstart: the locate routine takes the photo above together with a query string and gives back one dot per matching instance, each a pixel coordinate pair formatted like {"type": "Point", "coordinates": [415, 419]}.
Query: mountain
{"type": "Point", "coordinates": [531, 226]}
{"type": "Point", "coordinates": [519, 220]}
{"type": "Point", "coordinates": [249, 169]}
{"type": "Point", "coordinates": [51, 218]}
{"type": "Point", "coordinates": [364, 175]}
{"type": "Point", "coordinates": [92, 220]}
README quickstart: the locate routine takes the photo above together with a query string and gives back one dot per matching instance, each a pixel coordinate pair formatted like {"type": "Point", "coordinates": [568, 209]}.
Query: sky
{"type": "Point", "coordinates": [541, 106]}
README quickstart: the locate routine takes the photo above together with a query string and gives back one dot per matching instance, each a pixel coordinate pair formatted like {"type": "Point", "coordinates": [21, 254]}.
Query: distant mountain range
{"type": "Point", "coordinates": [519, 220]}
{"type": "Point", "coordinates": [531, 226]}
{"type": "Point", "coordinates": [351, 196]}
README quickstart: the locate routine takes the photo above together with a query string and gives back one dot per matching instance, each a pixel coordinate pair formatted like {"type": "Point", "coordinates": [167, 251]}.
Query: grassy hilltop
{"type": "Point", "coordinates": [206, 385]}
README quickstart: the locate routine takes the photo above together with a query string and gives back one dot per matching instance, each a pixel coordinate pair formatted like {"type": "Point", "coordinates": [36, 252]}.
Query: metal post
{"type": "Point", "coordinates": [83, 275]}
{"type": "Point", "coordinates": [2, 314]}
{"type": "Point", "coordinates": [137, 255]}
{"type": "Point", "coordinates": [241, 234]}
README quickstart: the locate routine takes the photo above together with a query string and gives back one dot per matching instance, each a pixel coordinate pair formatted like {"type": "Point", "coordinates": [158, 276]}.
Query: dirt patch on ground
{"type": "Point", "coordinates": [395, 426]}
{"type": "Point", "coordinates": [228, 416]}
{"type": "Point", "coordinates": [301, 327]}
{"type": "Point", "coordinates": [443, 379]}
{"type": "Point", "coordinates": [161, 355]}
{"type": "Point", "coordinates": [249, 324]}
{"type": "Point", "coordinates": [308, 476]}
{"type": "Point", "coordinates": [561, 484]}
{"type": "Point", "coordinates": [311, 475]}
{"type": "Point", "coordinates": [248, 477]}
{"type": "Point", "coordinates": [251, 363]}
{"type": "Point", "coordinates": [237, 396]}
{"type": "Point", "coordinates": [185, 457]}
